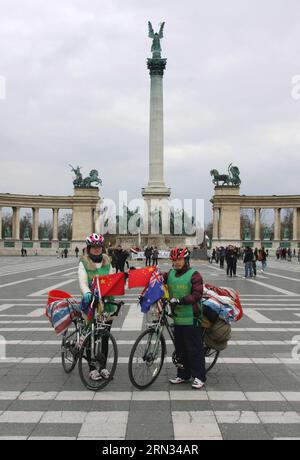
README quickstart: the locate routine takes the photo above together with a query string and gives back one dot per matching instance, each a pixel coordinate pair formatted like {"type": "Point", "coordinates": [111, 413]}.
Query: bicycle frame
{"type": "Point", "coordinates": [100, 319]}
{"type": "Point", "coordinates": [161, 324]}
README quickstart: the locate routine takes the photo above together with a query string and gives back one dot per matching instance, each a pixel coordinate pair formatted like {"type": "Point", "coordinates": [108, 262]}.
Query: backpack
{"type": "Point", "coordinates": [218, 336]}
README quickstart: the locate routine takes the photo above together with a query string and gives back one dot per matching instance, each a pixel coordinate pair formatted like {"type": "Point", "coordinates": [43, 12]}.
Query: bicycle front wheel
{"type": "Point", "coordinates": [103, 359]}
{"type": "Point", "coordinates": [146, 359]}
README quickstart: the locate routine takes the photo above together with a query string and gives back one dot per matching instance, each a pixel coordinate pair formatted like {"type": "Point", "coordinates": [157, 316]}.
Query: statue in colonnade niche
{"type": "Point", "coordinates": [267, 234]}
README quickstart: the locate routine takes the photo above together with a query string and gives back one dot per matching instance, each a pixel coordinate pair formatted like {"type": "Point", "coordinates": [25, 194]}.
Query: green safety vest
{"type": "Point", "coordinates": [92, 271]}
{"type": "Point", "coordinates": [180, 287]}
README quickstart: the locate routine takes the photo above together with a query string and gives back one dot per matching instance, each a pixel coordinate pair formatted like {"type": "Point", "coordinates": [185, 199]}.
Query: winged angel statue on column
{"type": "Point", "coordinates": [156, 48]}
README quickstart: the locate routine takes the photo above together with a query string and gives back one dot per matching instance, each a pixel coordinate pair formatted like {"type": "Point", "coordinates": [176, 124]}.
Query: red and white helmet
{"type": "Point", "coordinates": [95, 240]}
{"type": "Point", "coordinates": [179, 253]}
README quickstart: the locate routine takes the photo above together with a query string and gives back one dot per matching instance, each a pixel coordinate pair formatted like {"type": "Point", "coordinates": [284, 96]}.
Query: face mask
{"type": "Point", "coordinates": [96, 259]}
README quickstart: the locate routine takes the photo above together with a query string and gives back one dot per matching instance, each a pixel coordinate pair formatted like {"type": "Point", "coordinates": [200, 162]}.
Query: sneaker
{"type": "Point", "coordinates": [95, 376]}
{"type": "Point", "coordinates": [105, 374]}
{"type": "Point", "coordinates": [178, 380]}
{"type": "Point", "coordinates": [198, 384]}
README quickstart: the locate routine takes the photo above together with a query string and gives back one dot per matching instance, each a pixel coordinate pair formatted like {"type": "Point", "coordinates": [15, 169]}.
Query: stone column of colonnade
{"type": "Point", "coordinates": [16, 223]}
{"type": "Point", "coordinates": [296, 224]}
{"type": "Point", "coordinates": [257, 236]}
{"type": "Point", "coordinates": [55, 224]}
{"type": "Point", "coordinates": [277, 233]}
{"type": "Point", "coordinates": [35, 223]}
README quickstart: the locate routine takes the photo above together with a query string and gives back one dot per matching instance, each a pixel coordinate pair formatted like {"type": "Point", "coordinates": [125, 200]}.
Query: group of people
{"type": "Point", "coordinates": [185, 286]}
{"type": "Point", "coordinates": [232, 254]}
{"type": "Point", "coordinates": [63, 253]}
{"type": "Point", "coordinates": [287, 254]}
{"type": "Point", "coordinates": [151, 254]}
{"type": "Point", "coordinates": [251, 258]}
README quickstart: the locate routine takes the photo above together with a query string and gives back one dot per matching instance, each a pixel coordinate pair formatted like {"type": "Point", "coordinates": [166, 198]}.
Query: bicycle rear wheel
{"type": "Point", "coordinates": [213, 356]}
{"type": "Point", "coordinates": [69, 349]}
{"type": "Point", "coordinates": [144, 364]}
{"type": "Point", "coordinates": [106, 357]}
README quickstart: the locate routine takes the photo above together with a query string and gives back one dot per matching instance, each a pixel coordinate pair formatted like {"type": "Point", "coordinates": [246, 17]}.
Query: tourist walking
{"type": "Point", "coordinates": [248, 261]}
{"type": "Point", "coordinates": [230, 260]}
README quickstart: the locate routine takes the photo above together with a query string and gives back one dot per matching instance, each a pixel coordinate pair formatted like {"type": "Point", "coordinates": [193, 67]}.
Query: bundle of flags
{"type": "Point", "coordinates": [223, 301]}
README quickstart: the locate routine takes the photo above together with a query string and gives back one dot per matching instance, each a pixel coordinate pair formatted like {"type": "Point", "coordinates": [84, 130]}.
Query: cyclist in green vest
{"type": "Point", "coordinates": [95, 263]}
{"type": "Point", "coordinates": [186, 289]}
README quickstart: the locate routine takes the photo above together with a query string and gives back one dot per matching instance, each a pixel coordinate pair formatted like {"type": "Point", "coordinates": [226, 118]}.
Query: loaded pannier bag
{"type": "Point", "coordinates": [218, 335]}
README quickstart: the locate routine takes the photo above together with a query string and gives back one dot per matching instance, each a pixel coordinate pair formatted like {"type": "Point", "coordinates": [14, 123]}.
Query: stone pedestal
{"type": "Point", "coordinates": [227, 199]}
{"type": "Point", "coordinates": [85, 201]}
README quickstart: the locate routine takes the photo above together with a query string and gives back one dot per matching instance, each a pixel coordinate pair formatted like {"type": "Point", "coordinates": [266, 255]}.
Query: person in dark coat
{"type": "Point", "coordinates": [120, 259]}
{"type": "Point", "coordinates": [148, 255]}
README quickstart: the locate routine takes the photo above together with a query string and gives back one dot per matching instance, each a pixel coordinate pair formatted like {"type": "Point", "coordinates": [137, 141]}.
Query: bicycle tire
{"type": "Point", "coordinates": [132, 375]}
{"type": "Point", "coordinates": [83, 361]}
{"type": "Point", "coordinates": [209, 352]}
{"type": "Point", "coordinates": [69, 365]}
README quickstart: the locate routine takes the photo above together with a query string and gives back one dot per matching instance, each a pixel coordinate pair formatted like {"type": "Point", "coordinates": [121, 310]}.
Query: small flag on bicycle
{"type": "Point", "coordinates": [140, 277]}
{"type": "Point", "coordinates": [110, 285]}
{"type": "Point", "coordinates": [154, 291]}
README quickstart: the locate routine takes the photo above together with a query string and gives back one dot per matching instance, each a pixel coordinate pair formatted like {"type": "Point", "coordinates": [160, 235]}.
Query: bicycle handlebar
{"type": "Point", "coordinates": [119, 305]}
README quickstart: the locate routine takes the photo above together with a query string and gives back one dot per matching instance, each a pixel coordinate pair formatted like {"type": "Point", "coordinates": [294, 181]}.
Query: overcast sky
{"type": "Point", "coordinates": [78, 92]}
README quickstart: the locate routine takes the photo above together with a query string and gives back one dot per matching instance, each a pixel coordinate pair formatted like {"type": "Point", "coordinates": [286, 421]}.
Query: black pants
{"type": "Point", "coordinates": [155, 262]}
{"type": "Point", "coordinates": [190, 352]}
{"type": "Point", "coordinates": [104, 350]}
{"type": "Point", "coordinates": [222, 260]}
{"type": "Point", "coordinates": [230, 268]}
{"type": "Point", "coordinates": [120, 268]}
{"type": "Point", "coordinates": [148, 261]}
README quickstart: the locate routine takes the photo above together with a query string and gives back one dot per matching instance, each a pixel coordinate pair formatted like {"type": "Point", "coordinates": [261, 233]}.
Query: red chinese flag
{"type": "Point", "coordinates": [140, 277]}
{"type": "Point", "coordinates": [111, 285]}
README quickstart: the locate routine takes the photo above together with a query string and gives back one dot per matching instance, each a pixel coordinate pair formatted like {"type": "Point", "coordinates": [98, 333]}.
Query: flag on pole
{"type": "Point", "coordinates": [110, 285]}
{"type": "Point", "coordinates": [154, 292]}
{"type": "Point", "coordinates": [140, 277]}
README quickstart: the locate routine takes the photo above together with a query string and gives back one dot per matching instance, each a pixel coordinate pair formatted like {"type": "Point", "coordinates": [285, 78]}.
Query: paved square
{"type": "Point", "coordinates": [252, 393]}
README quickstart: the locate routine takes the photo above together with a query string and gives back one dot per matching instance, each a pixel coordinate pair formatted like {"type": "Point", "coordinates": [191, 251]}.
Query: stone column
{"type": "Point", "coordinates": [156, 188]}
{"type": "Point", "coordinates": [216, 224]}
{"type": "Point", "coordinates": [277, 235]}
{"type": "Point", "coordinates": [156, 147]}
{"type": "Point", "coordinates": [295, 225]}
{"type": "Point", "coordinates": [0, 223]}
{"type": "Point", "coordinates": [35, 224]}
{"type": "Point", "coordinates": [16, 223]}
{"type": "Point", "coordinates": [257, 225]}
{"type": "Point", "coordinates": [55, 224]}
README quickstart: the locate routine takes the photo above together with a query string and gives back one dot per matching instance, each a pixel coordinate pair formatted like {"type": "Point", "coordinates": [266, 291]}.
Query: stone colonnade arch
{"type": "Point", "coordinates": [227, 205]}
{"type": "Point", "coordinates": [83, 204]}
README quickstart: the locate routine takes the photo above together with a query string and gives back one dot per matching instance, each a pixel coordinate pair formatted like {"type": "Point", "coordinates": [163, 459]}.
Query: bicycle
{"type": "Point", "coordinates": [150, 349]}
{"type": "Point", "coordinates": [99, 348]}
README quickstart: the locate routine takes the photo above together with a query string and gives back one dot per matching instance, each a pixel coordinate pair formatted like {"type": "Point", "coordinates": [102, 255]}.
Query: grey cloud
{"type": "Point", "coordinates": [78, 91]}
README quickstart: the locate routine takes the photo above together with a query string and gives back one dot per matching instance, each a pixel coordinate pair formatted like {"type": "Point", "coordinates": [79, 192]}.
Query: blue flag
{"type": "Point", "coordinates": [153, 293]}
